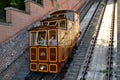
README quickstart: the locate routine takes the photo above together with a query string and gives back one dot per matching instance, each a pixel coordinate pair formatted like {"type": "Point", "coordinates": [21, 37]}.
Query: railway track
{"type": "Point", "coordinates": [91, 50]}
{"type": "Point", "coordinates": [84, 40]}
{"type": "Point", "coordinates": [37, 76]}
{"type": "Point", "coordinates": [84, 9]}
{"type": "Point", "coordinates": [115, 58]}
{"type": "Point", "coordinates": [110, 49]}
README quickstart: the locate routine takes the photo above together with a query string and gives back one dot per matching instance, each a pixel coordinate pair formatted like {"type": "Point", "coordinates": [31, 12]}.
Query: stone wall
{"type": "Point", "coordinates": [11, 50]}
{"type": "Point", "coordinates": [11, 70]}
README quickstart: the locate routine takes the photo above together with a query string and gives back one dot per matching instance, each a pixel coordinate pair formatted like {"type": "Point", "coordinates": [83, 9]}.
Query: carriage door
{"type": "Point", "coordinates": [52, 42]}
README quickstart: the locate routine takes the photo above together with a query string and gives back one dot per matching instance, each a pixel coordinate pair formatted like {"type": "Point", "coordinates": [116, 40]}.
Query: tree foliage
{"type": "Point", "coordinates": [10, 3]}
{"type": "Point", "coordinates": [14, 3]}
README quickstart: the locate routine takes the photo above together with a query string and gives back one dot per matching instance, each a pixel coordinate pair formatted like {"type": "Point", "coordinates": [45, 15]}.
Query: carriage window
{"type": "Point", "coordinates": [42, 38]}
{"type": "Point", "coordinates": [62, 15]}
{"type": "Point", "coordinates": [32, 38]}
{"type": "Point", "coordinates": [70, 16]}
{"type": "Point", "coordinates": [45, 23]}
{"type": "Point", "coordinates": [53, 15]}
{"type": "Point", "coordinates": [62, 24]}
{"type": "Point", "coordinates": [52, 38]}
{"type": "Point", "coordinates": [52, 23]}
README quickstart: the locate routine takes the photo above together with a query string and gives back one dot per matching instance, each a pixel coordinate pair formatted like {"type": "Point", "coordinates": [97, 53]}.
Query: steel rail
{"type": "Point", "coordinates": [92, 45]}
{"type": "Point", "coordinates": [110, 49]}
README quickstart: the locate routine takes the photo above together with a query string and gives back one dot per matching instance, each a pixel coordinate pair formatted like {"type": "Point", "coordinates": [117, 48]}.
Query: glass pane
{"type": "Point", "coordinates": [32, 38]}
{"type": "Point", "coordinates": [45, 23]}
{"type": "Point", "coordinates": [52, 38]}
{"type": "Point", "coordinates": [52, 23]}
{"type": "Point", "coordinates": [62, 24]}
{"type": "Point", "coordinates": [62, 15]}
{"type": "Point", "coordinates": [53, 15]}
{"type": "Point", "coordinates": [70, 16]}
{"type": "Point", "coordinates": [42, 38]}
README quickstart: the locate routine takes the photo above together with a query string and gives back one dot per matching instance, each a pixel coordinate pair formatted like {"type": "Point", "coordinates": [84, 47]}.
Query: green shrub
{"type": "Point", "coordinates": [102, 3]}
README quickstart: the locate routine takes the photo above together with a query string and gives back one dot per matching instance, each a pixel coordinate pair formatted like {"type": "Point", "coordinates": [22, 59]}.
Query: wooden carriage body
{"type": "Point", "coordinates": [49, 55]}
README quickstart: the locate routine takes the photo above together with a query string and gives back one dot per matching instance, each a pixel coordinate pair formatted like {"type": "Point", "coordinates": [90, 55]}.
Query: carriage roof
{"type": "Point", "coordinates": [53, 19]}
{"type": "Point", "coordinates": [43, 27]}
{"type": "Point", "coordinates": [62, 11]}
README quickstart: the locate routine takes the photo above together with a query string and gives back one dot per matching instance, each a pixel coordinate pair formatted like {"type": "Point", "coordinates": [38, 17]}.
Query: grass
{"type": "Point", "coordinates": [102, 3]}
{"type": "Point", "coordinates": [104, 71]}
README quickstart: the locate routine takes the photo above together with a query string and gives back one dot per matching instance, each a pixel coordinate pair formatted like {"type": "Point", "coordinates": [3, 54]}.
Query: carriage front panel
{"type": "Point", "coordinates": [42, 54]}
{"type": "Point", "coordinates": [33, 53]}
{"type": "Point", "coordinates": [52, 54]}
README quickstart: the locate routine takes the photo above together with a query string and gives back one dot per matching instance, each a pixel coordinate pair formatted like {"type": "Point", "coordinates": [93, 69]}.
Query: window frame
{"type": "Point", "coordinates": [65, 27]}
{"type": "Point", "coordinates": [49, 36]}
{"type": "Point", "coordinates": [35, 42]}
{"type": "Point", "coordinates": [44, 37]}
{"type": "Point", "coordinates": [31, 37]}
{"type": "Point", "coordinates": [51, 22]}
